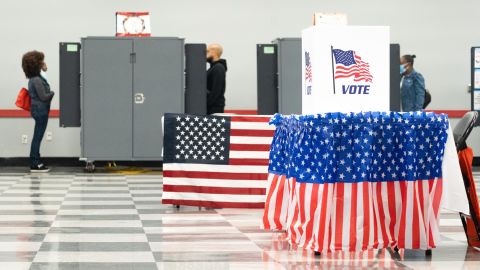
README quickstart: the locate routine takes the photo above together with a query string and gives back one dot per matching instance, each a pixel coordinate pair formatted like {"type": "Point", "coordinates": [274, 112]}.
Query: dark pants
{"type": "Point", "coordinates": [40, 115]}
{"type": "Point", "coordinates": [216, 109]}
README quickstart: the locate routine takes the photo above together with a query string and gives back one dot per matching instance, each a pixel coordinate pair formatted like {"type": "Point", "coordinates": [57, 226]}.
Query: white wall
{"type": "Point", "coordinates": [439, 32]}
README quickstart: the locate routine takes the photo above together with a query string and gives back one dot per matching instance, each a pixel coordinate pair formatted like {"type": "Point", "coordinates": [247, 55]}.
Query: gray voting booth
{"type": "Point", "coordinates": [279, 77]}
{"type": "Point", "coordinates": [121, 90]}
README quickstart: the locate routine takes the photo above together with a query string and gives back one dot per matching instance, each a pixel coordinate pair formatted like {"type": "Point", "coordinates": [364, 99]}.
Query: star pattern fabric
{"type": "Point", "coordinates": [358, 147]}
{"type": "Point", "coordinates": [197, 139]}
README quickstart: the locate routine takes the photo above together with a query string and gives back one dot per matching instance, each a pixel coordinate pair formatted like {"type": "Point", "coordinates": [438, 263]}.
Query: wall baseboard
{"type": "Point", "coordinates": [72, 162]}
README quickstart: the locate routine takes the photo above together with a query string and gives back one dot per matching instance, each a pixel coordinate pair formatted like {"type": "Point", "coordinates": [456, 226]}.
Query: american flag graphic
{"type": "Point", "coordinates": [216, 161]}
{"type": "Point", "coordinates": [357, 182]}
{"type": "Point", "coordinates": [308, 68]}
{"type": "Point", "coordinates": [350, 64]}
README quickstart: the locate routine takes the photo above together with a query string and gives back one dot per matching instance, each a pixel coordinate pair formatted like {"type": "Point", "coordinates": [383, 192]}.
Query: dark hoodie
{"type": "Point", "coordinates": [216, 86]}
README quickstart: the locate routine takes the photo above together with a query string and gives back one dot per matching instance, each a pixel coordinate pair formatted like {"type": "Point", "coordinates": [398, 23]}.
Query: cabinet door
{"type": "Point", "coordinates": [107, 99]}
{"type": "Point", "coordinates": [158, 88]}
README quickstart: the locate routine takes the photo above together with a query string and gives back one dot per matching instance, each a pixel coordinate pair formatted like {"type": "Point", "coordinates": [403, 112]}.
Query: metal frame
{"type": "Point", "coordinates": [461, 144]}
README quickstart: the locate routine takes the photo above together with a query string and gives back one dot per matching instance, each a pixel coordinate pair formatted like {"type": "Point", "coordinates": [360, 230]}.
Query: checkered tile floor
{"type": "Point", "coordinates": [67, 220]}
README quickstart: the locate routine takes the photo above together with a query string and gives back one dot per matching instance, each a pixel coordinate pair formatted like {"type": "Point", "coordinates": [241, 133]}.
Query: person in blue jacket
{"type": "Point", "coordinates": [413, 85]}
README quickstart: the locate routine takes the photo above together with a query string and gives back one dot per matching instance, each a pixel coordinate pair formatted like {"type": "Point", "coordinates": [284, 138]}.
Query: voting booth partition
{"type": "Point", "coordinates": [69, 94]}
{"type": "Point", "coordinates": [279, 76]}
{"type": "Point", "coordinates": [395, 78]}
{"type": "Point", "coordinates": [195, 79]}
{"type": "Point", "coordinates": [267, 67]}
{"type": "Point", "coordinates": [123, 87]}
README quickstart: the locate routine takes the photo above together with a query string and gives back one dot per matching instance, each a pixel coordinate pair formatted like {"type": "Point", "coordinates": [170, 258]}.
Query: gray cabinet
{"type": "Point", "coordinates": [127, 86]}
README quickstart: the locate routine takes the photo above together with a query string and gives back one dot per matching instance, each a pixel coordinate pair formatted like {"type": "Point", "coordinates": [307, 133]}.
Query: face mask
{"type": "Point", "coordinates": [402, 69]}
{"type": "Point", "coordinates": [210, 60]}
{"type": "Point", "coordinates": [43, 74]}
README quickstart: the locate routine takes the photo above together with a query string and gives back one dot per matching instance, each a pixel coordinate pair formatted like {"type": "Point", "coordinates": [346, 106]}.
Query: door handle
{"type": "Point", "coordinates": [139, 98]}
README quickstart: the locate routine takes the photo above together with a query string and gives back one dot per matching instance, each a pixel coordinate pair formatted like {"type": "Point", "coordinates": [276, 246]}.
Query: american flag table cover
{"type": "Point", "coordinates": [217, 161]}
{"type": "Point", "coordinates": [355, 182]}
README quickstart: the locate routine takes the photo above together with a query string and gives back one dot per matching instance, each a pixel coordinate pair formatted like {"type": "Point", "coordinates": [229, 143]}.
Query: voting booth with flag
{"type": "Point", "coordinates": [349, 175]}
{"type": "Point", "coordinates": [345, 68]}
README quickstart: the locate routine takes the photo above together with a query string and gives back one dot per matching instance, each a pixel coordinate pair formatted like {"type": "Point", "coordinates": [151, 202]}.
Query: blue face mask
{"type": "Point", "coordinates": [402, 69]}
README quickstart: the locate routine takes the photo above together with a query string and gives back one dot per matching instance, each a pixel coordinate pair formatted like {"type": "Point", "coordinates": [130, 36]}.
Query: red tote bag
{"type": "Point", "coordinates": [23, 99]}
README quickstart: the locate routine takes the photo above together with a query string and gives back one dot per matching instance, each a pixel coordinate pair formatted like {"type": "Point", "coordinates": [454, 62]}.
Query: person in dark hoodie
{"type": "Point", "coordinates": [216, 75]}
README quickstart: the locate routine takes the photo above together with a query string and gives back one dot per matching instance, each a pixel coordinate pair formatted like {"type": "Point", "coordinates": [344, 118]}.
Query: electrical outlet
{"type": "Point", "coordinates": [49, 136]}
{"type": "Point", "coordinates": [24, 139]}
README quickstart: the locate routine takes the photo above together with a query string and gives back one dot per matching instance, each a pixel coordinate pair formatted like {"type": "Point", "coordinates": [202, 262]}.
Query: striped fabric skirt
{"type": "Point", "coordinates": [354, 216]}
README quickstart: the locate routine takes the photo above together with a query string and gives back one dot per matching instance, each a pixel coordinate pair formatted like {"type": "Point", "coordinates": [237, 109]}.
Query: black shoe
{"type": "Point", "coordinates": [40, 168]}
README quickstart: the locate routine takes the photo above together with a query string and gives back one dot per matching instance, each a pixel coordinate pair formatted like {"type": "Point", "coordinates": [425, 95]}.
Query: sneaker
{"type": "Point", "coordinates": [39, 169]}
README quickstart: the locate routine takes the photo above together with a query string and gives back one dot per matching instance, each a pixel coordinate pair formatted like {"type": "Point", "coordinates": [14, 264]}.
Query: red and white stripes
{"type": "Point", "coordinates": [355, 216]}
{"type": "Point", "coordinates": [239, 184]}
{"type": "Point", "coordinates": [276, 206]}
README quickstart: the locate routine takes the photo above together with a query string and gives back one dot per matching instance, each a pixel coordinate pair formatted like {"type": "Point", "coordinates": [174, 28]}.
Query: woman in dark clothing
{"type": "Point", "coordinates": [41, 95]}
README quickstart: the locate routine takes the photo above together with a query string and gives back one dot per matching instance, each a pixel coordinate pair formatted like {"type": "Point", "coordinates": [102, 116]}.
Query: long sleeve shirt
{"type": "Point", "coordinates": [39, 90]}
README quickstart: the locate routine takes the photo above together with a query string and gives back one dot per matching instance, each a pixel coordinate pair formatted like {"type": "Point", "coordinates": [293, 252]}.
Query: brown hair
{"type": "Point", "coordinates": [32, 63]}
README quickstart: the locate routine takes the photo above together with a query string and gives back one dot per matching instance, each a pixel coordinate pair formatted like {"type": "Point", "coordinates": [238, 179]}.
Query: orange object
{"type": "Point", "coordinates": [471, 223]}
{"type": "Point", "coordinates": [23, 99]}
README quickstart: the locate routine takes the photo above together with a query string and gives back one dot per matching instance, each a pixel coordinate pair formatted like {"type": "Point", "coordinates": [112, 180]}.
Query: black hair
{"type": "Point", "coordinates": [409, 58]}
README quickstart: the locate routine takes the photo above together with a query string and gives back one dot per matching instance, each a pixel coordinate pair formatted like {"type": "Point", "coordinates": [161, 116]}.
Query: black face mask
{"type": "Point", "coordinates": [210, 60]}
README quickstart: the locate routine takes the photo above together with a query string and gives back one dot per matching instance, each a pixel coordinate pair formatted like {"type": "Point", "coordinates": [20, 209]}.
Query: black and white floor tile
{"type": "Point", "coordinates": [69, 220]}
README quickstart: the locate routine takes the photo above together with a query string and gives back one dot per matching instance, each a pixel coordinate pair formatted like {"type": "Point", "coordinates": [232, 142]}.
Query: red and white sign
{"type": "Point", "coordinates": [135, 24]}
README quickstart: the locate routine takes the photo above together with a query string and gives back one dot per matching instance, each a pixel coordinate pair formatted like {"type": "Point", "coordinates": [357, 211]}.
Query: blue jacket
{"type": "Point", "coordinates": [413, 92]}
